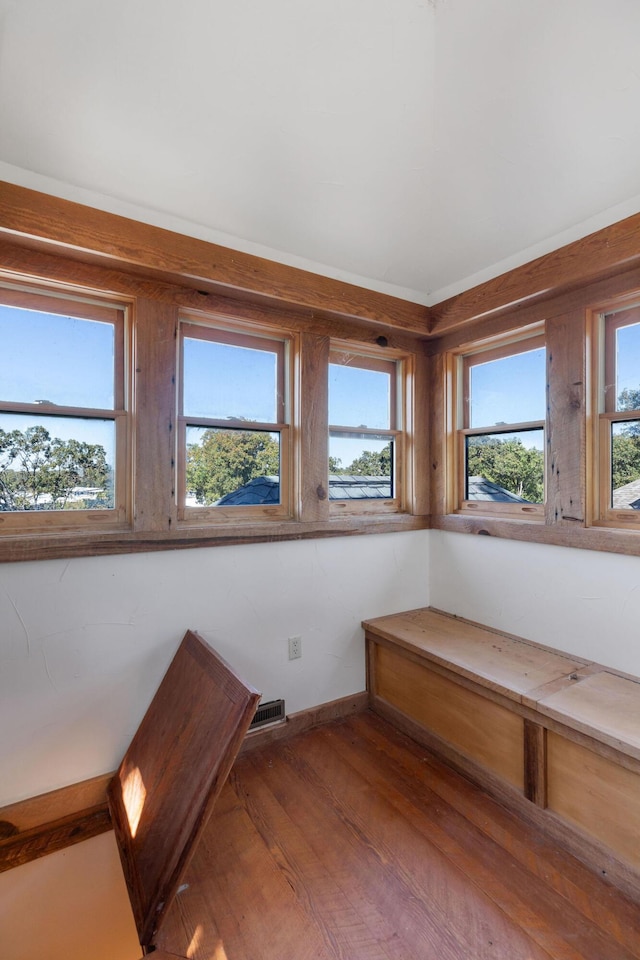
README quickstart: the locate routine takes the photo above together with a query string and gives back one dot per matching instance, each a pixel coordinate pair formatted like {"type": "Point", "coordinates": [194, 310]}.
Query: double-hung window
{"type": "Point", "coordinates": [366, 432]}
{"type": "Point", "coordinates": [501, 426]}
{"type": "Point", "coordinates": [63, 412]}
{"type": "Point", "coordinates": [234, 456]}
{"type": "Point", "coordinates": [617, 441]}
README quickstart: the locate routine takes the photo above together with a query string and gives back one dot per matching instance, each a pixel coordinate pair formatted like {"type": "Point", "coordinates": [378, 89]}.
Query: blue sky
{"type": "Point", "coordinates": [509, 390]}
{"type": "Point", "coordinates": [628, 357]}
{"type": "Point", "coordinates": [64, 360]}
{"type": "Point", "coordinates": [69, 361]}
{"type": "Point", "coordinates": [223, 381]}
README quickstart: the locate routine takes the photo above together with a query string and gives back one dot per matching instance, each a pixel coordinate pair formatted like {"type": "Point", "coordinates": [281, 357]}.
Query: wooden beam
{"type": "Point", "coordinates": [78, 230]}
{"type": "Point", "coordinates": [41, 825]}
{"type": "Point", "coordinates": [591, 258]}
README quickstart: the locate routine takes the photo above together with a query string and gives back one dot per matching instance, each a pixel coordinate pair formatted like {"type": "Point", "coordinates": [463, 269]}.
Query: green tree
{"type": "Point", "coordinates": [629, 399]}
{"type": "Point", "coordinates": [226, 459]}
{"type": "Point", "coordinates": [39, 473]}
{"type": "Point", "coordinates": [507, 462]}
{"type": "Point", "coordinates": [625, 459]}
{"type": "Point", "coordinates": [625, 444]}
{"type": "Point", "coordinates": [372, 463]}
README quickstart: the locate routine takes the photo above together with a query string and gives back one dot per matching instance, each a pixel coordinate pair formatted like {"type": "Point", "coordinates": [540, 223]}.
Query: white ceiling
{"type": "Point", "coordinates": [413, 146]}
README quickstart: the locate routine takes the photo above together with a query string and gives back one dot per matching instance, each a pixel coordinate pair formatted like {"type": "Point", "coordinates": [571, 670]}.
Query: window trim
{"type": "Point", "coordinates": [400, 366]}
{"type": "Point", "coordinates": [216, 329]}
{"type": "Point", "coordinates": [458, 366]}
{"type": "Point", "coordinates": [84, 304]}
{"type": "Point", "coordinates": [603, 323]}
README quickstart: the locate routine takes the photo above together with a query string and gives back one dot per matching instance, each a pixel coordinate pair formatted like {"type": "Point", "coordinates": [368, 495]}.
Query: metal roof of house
{"type": "Point", "coordinates": [341, 487]}
{"type": "Point", "coordinates": [627, 496]}
{"type": "Point", "coordinates": [479, 488]}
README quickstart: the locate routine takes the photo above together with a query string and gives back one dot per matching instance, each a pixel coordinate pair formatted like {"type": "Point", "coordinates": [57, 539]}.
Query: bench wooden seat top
{"type": "Point", "coordinates": [581, 694]}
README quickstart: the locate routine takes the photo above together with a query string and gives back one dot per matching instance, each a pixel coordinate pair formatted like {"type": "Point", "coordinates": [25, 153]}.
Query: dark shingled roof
{"type": "Point", "coordinates": [627, 496]}
{"type": "Point", "coordinates": [478, 488]}
{"type": "Point", "coordinates": [341, 487]}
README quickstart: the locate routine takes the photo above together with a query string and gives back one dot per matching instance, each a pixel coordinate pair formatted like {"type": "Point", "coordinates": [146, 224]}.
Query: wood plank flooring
{"type": "Point", "coordinates": [351, 841]}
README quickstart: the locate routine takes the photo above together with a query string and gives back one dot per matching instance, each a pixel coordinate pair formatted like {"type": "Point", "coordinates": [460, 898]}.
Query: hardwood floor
{"type": "Point", "coordinates": [351, 841]}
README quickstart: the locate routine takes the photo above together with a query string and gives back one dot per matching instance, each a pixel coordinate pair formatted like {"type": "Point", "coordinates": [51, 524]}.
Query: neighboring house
{"type": "Point", "coordinates": [627, 496]}
{"type": "Point", "coordinates": [478, 488]}
{"type": "Point", "coordinates": [341, 487]}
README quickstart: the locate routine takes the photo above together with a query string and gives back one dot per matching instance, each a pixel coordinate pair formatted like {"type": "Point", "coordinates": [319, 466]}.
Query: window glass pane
{"type": "Point", "coordinates": [360, 467]}
{"type": "Point", "coordinates": [224, 381]}
{"type": "Point", "coordinates": [506, 467]}
{"type": "Point", "coordinates": [509, 390]}
{"type": "Point", "coordinates": [359, 398]}
{"type": "Point", "coordinates": [56, 463]}
{"type": "Point", "coordinates": [232, 467]}
{"type": "Point", "coordinates": [625, 465]}
{"type": "Point", "coordinates": [628, 367]}
{"type": "Point", "coordinates": [57, 359]}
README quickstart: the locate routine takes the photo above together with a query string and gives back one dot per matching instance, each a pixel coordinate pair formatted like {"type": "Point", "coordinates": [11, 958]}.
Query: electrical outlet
{"type": "Point", "coordinates": [295, 648]}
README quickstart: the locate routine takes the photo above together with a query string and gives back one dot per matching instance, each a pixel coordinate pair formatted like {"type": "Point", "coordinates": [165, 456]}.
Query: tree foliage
{"type": "Point", "coordinates": [370, 463]}
{"type": "Point", "coordinates": [629, 399]}
{"type": "Point", "coordinates": [38, 472]}
{"type": "Point", "coordinates": [507, 462]}
{"type": "Point", "coordinates": [625, 459]}
{"type": "Point", "coordinates": [226, 459]}
{"type": "Point", "coordinates": [625, 445]}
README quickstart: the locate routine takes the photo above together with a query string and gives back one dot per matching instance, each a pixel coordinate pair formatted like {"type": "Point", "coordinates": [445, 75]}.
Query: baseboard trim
{"type": "Point", "coordinates": [296, 723]}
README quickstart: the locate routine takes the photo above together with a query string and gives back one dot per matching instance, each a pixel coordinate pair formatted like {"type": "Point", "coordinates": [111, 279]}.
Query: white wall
{"type": "Point", "coordinates": [580, 601]}
{"type": "Point", "coordinates": [84, 643]}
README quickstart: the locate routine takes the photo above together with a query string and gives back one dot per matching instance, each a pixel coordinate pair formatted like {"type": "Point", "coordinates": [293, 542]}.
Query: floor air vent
{"type": "Point", "coordinates": [268, 713]}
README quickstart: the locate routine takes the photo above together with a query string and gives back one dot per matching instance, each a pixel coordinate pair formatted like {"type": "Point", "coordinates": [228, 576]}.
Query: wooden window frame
{"type": "Point", "coordinates": [602, 325]}
{"type": "Point", "coordinates": [459, 364]}
{"type": "Point", "coordinates": [85, 305]}
{"type": "Point", "coordinates": [399, 365]}
{"type": "Point", "coordinates": [221, 330]}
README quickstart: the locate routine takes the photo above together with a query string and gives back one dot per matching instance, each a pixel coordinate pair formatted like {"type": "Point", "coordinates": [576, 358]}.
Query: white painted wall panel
{"type": "Point", "coordinates": [84, 643]}
{"type": "Point", "coordinates": [581, 601]}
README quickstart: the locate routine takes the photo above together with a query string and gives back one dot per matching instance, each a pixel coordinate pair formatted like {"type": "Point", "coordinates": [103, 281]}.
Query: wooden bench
{"type": "Point", "coordinates": [553, 735]}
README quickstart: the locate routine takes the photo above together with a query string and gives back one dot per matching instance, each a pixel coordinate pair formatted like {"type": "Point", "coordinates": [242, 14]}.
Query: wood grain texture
{"type": "Point", "coordinates": [509, 665]}
{"type": "Point", "coordinates": [486, 732]}
{"type": "Point", "coordinates": [419, 427]}
{"type": "Point", "coordinates": [440, 435]}
{"type": "Point", "coordinates": [592, 852]}
{"type": "Point", "coordinates": [608, 540]}
{"type": "Point", "coordinates": [39, 841]}
{"type": "Point", "coordinates": [57, 804]}
{"type": "Point", "coordinates": [352, 842]}
{"type": "Point", "coordinates": [41, 825]}
{"type": "Point", "coordinates": [72, 227]}
{"type": "Point", "coordinates": [88, 544]}
{"type": "Point", "coordinates": [313, 429]}
{"type": "Point", "coordinates": [604, 705]}
{"type": "Point", "coordinates": [535, 763]}
{"type": "Point", "coordinates": [171, 775]}
{"type": "Point", "coordinates": [596, 794]}
{"type": "Point", "coordinates": [612, 249]}
{"type": "Point", "coordinates": [155, 352]}
{"type": "Point", "coordinates": [565, 431]}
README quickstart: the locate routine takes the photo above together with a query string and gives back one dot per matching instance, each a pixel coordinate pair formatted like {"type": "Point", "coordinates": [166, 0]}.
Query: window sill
{"type": "Point", "coordinates": [101, 543]}
{"type": "Point", "coordinates": [565, 533]}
